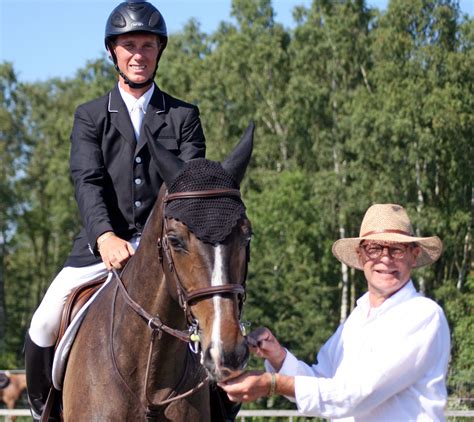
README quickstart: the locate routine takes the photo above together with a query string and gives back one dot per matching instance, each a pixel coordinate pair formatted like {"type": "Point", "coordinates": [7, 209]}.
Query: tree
{"type": "Point", "coordinates": [330, 62]}
{"type": "Point", "coordinates": [11, 146]}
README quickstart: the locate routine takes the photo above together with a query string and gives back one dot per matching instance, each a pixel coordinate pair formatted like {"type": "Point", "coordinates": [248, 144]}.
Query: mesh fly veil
{"type": "Point", "coordinates": [210, 219]}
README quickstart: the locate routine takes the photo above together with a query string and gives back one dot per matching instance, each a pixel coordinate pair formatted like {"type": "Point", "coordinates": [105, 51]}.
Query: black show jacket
{"type": "Point", "coordinates": [116, 182]}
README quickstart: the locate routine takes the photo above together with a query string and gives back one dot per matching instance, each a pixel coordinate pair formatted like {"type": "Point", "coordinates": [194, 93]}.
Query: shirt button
{"type": "Point", "coordinates": [138, 160]}
{"type": "Point", "coordinates": [138, 226]}
{"type": "Point", "coordinates": [138, 181]}
{"type": "Point", "coordinates": [138, 203]}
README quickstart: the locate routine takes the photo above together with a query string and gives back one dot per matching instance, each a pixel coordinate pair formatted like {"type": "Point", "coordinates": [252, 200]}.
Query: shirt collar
{"type": "Point", "coordinates": [406, 292]}
{"type": "Point", "coordinates": [131, 102]}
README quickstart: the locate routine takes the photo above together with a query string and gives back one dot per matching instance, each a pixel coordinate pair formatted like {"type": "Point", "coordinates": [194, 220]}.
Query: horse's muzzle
{"type": "Point", "coordinates": [222, 364]}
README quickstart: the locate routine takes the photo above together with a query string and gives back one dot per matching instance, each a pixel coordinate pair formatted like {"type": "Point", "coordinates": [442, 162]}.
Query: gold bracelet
{"type": "Point", "coordinates": [103, 237]}
{"type": "Point", "coordinates": [273, 384]}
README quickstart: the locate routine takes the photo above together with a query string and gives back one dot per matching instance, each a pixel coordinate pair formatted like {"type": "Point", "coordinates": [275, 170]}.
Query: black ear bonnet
{"type": "Point", "coordinates": [210, 219]}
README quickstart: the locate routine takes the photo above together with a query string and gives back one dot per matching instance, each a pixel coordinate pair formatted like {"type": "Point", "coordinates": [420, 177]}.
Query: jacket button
{"type": "Point", "coordinates": [138, 181]}
{"type": "Point", "coordinates": [138, 160]}
{"type": "Point", "coordinates": [138, 204]}
{"type": "Point", "coordinates": [138, 226]}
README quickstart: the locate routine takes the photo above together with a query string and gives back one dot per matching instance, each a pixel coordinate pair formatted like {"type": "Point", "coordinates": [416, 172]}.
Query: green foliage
{"type": "Point", "coordinates": [287, 291]}
{"type": "Point", "coordinates": [459, 309]}
{"type": "Point", "coordinates": [352, 107]}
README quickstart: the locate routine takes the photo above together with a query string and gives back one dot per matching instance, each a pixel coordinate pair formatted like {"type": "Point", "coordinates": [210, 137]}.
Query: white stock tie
{"type": "Point", "coordinates": [136, 116]}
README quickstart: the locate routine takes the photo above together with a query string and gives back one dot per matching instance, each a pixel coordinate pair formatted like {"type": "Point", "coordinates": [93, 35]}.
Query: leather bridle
{"type": "Point", "coordinates": [184, 298]}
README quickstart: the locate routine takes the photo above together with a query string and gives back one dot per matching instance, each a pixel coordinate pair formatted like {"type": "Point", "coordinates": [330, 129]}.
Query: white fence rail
{"type": "Point", "coordinates": [247, 415]}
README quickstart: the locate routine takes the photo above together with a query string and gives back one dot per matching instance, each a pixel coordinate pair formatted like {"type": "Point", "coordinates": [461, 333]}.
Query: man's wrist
{"type": "Point", "coordinates": [103, 237]}
{"type": "Point", "coordinates": [278, 362]}
{"type": "Point", "coordinates": [273, 384]}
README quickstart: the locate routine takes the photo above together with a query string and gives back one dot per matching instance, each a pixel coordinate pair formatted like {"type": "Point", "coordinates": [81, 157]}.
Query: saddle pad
{"type": "Point", "coordinates": [64, 346]}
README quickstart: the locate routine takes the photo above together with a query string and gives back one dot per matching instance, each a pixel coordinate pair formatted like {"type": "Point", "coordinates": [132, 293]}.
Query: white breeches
{"type": "Point", "coordinates": [46, 321]}
{"type": "Point", "coordinates": [44, 328]}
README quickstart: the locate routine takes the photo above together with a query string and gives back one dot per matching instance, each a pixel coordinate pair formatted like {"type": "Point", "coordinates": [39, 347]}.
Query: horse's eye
{"type": "Point", "coordinates": [177, 243]}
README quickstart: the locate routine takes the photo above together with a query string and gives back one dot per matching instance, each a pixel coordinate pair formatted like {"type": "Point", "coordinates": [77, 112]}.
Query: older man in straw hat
{"type": "Point", "coordinates": [388, 360]}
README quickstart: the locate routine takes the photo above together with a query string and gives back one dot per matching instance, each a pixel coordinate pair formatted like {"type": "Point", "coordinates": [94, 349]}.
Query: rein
{"type": "Point", "coordinates": [155, 323]}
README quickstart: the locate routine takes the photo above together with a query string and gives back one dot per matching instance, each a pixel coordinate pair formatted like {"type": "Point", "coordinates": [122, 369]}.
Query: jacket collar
{"type": "Point", "coordinates": [152, 122]}
{"type": "Point", "coordinates": [117, 105]}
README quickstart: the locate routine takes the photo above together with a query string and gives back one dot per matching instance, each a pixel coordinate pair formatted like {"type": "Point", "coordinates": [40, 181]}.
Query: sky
{"type": "Point", "coordinates": [54, 38]}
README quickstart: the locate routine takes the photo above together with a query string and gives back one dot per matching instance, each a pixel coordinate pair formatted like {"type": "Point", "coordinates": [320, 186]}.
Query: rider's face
{"type": "Point", "coordinates": [136, 55]}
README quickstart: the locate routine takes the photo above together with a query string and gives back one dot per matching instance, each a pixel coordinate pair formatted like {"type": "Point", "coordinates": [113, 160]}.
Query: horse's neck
{"type": "Point", "coordinates": [148, 289]}
{"type": "Point", "coordinates": [147, 285]}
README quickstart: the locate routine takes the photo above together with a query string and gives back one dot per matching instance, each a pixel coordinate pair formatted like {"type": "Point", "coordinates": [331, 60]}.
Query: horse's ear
{"type": "Point", "coordinates": [168, 165]}
{"type": "Point", "coordinates": [236, 163]}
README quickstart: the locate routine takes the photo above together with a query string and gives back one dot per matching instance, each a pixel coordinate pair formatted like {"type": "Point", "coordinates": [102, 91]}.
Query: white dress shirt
{"type": "Point", "coordinates": [382, 364]}
{"type": "Point", "coordinates": [133, 104]}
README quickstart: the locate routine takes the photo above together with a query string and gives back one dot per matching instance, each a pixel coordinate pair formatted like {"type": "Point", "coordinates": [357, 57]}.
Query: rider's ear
{"type": "Point", "coordinates": [236, 163]}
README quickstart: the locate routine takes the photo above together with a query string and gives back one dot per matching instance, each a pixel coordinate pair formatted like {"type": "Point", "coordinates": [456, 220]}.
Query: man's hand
{"type": "Point", "coordinates": [248, 386]}
{"type": "Point", "coordinates": [252, 385]}
{"type": "Point", "coordinates": [265, 345]}
{"type": "Point", "coordinates": [115, 252]}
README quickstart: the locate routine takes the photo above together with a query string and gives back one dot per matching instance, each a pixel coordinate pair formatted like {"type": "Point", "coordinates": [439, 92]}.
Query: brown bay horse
{"type": "Point", "coordinates": [184, 287]}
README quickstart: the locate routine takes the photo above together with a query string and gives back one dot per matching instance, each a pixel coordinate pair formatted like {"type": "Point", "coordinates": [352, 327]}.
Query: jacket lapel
{"type": "Point", "coordinates": [153, 120]}
{"type": "Point", "coordinates": [119, 116]}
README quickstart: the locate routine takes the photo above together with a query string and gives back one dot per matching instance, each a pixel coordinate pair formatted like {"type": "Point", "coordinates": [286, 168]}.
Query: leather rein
{"type": "Point", "coordinates": [154, 322]}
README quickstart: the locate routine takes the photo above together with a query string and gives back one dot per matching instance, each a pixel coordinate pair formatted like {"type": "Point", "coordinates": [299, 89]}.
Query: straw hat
{"type": "Point", "coordinates": [388, 223]}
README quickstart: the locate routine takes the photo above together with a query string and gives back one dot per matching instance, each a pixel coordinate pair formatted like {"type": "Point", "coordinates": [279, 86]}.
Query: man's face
{"type": "Point", "coordinates": [136, 55]}
{"type": "Point", "coordinates": [387, 267]}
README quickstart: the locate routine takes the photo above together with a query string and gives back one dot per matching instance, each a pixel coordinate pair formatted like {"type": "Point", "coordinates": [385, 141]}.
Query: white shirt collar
{"type": "Point", "coordinates": [405, 293]}
{"type": "Point", "coordinates": [131, 102]}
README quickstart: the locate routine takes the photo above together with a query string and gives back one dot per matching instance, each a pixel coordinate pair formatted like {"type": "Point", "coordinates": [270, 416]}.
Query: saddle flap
{"type": "Point", "coordinates": [75, 301]}
{"type": "Point", "coordinates": [73, 317]}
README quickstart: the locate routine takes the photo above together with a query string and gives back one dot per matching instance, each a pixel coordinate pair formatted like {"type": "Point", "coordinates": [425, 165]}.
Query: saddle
{"type": "Point", "coordinates": [75, 301]}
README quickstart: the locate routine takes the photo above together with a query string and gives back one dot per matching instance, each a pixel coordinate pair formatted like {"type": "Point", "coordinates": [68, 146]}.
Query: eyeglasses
{"type": "Point", "coordinates": [375, 250]}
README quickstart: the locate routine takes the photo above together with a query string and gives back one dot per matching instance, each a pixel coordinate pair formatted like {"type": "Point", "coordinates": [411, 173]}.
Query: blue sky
{"type": "Point", "coordinates": [54, 38]}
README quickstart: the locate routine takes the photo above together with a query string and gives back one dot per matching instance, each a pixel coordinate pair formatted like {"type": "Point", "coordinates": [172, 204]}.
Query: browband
{"type": "Point", "coordinates": [211, 193]}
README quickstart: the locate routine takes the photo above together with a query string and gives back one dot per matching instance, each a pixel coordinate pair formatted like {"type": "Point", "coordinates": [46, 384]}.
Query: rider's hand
{"type": "Point", "coordinates": [115, 252]}
{"type": "Point", "coordinates": [265, 345]}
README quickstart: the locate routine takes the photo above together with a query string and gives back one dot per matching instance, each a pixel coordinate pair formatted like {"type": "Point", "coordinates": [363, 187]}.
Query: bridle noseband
{"type": "Point", "coordinates": [184, 298]}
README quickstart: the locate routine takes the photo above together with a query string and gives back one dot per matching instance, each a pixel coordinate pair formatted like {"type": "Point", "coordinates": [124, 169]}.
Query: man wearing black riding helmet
{"type": "Point", "coordinates": [116, 182]}
{"type": "Point", "coordinates": [133, 18]}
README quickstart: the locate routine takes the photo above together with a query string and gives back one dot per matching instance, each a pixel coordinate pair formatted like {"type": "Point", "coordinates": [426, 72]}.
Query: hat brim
{"type": "Point", "coordinates": [345, 250]}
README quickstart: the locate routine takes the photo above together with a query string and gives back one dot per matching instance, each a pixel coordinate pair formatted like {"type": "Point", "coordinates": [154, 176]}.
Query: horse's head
{"type": "Point", "coordinates": [205, 238]}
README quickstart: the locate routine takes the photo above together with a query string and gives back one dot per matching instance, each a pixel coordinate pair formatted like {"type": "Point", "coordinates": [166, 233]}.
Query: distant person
{"type": "Point", "coordinates": [116, 182]}
{"type": "Point", "coordinates": [388, 360]}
